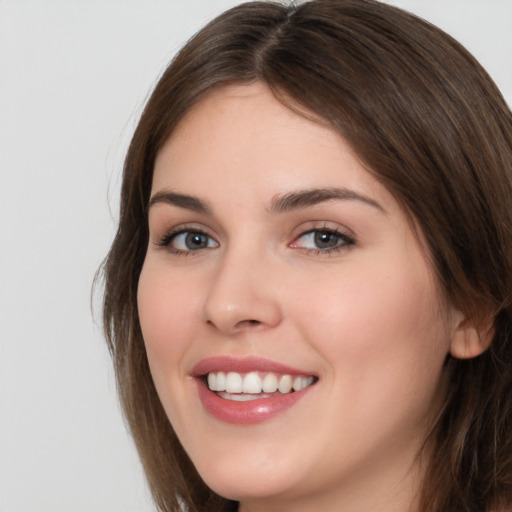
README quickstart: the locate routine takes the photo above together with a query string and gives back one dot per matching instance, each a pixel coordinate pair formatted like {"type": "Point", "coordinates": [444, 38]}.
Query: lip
{"type": "Point", "coordinates": [243, 365]}
{"type": "Point", "coordinates": [249, 412]}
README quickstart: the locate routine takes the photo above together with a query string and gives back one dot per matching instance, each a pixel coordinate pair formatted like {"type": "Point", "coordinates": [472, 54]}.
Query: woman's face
{"type": "Point", "coordinates": [276, 260]}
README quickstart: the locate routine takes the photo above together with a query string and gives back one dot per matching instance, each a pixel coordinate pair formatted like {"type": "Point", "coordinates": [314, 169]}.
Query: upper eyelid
{"type": "Point", "coordinates": [323, 225]}
{"type": "Point", "coordinates": [182, 226]}
{"type": "Point", "coordinates": [338, 232]}
{"type": "Point", "coordinates": [165, 224]}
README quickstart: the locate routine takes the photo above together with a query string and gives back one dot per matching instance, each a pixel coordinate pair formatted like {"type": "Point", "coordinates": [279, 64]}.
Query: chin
{"type": "Point", "coordinates": [246, 482]}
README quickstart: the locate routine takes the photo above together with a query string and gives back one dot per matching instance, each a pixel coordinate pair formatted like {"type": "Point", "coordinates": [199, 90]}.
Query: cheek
{"type": "Point", "coordinates": [379, 305]}
{"type": "Point", "coordinates": [166, 309]}
{"type": "Point", "coordinates": [384, 344]}
{"type": "Point", "coordinates": [380, 329]}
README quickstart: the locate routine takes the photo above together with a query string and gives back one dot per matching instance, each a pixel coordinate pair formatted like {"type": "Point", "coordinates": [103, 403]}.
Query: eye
{"type": "Point", "coordinates": [187, 241]}
{"type": "Point", "coordinates": [323, 240]}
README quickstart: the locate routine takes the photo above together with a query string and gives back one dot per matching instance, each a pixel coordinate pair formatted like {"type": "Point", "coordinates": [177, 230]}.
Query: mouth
{"type": "Point", "coordinates": [255, 385]}
{"type": "Point", "coordinates": [250, 390]}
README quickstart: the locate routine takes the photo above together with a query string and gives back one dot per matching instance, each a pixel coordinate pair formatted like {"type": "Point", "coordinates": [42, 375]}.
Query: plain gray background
{"type": "Point", "coordinates": [73, 78]}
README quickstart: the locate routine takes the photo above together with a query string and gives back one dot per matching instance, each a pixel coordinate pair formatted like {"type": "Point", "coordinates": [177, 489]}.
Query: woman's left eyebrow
{"type": "Point", "coordinates": [310, 197]}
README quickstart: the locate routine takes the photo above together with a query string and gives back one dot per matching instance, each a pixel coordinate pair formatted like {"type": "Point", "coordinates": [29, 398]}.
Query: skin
{"type": "Point", "coordinates": [367, 319]}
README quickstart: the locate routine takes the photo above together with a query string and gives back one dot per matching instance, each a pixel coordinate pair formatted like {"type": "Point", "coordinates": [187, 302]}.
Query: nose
{"type": "Point", "coordinates": [242, 295]}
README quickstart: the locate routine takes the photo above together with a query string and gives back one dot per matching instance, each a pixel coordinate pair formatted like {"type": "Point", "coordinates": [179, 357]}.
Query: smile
{"type": "Point", "coordinates": [249, 390]}
{"type": "Point", "coordinates": [255, 385]}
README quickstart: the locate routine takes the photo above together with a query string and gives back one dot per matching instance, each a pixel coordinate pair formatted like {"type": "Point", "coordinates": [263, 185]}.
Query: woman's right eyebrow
{"type": "Point", "coordinates": [181, 201]}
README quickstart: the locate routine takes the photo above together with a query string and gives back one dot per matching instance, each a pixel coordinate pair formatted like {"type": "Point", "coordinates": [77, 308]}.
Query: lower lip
{"type": "Point", "coordinates": [252, 411]}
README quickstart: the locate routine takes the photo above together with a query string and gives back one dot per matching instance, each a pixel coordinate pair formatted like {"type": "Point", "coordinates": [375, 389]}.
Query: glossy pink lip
{"type": "Point", "coordinates": [243, 365]}
{"type": "Point", "coordinates": [253, 411]}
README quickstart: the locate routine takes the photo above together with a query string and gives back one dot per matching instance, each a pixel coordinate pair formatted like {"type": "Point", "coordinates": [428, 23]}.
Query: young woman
{"type": "Point", "coordinates": [308, 300]}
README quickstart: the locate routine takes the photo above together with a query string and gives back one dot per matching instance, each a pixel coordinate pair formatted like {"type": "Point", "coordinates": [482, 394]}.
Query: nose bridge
{"type": "Point", "coordinates": [241, 294]}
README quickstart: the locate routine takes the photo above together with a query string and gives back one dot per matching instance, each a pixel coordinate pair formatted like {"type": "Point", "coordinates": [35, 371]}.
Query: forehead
{"type": "Point", "coordinates": [243, 133]}
{"type": "Point", "coordinates": [245, 116]}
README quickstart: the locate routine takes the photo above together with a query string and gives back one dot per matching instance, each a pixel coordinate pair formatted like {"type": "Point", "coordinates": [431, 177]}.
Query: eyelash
{"type": "Point", "coordinates": [171, 236]}
{"type": "Point", "coordinates": [344, 241]}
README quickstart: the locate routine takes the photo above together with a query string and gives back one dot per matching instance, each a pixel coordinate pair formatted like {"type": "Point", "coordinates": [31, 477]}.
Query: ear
{"type": "Point", "coordinates": [469, 340]}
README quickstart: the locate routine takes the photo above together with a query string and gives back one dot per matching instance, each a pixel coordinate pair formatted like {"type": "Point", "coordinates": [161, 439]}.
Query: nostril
{"type": "Point", "coordinates": [248, 323]}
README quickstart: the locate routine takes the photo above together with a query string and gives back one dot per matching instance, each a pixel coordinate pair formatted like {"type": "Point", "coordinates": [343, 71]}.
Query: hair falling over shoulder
{"type": "Point", "coordinates": [431, 125]}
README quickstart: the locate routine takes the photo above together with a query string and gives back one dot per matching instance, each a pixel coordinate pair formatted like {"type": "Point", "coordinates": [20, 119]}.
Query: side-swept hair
{"type": "Point", "coordinates": [428, 122]}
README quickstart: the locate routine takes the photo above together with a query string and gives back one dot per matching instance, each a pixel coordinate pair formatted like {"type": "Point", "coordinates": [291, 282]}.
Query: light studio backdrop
{"type": "Point", "coordinates": [74, 75]}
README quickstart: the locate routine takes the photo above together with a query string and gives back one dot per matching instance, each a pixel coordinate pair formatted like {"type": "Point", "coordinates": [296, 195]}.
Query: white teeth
{"type": "Point", "coordinates": [252, 383]}
{"type": "Point", "coordinates": [221, 381]}
{"type": "Point", "coordinates": [301, 383]}
{"type": "Point", "coordinates": [242, 397]}
{"type": "Point", "coordinates": [217, 381]}
{"type": "Point", "coordinates": [212, 381]}
{"type": "Point", "coordinates": [270, 383]}
{"type": "Point", "coordinates": [234, 382]}
{"type": "Point", "coordinates": [285, 384]}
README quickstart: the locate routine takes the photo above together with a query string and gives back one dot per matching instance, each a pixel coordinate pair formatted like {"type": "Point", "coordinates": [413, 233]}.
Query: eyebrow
{"type": "Point", "coordinates": [280, 204]}
{"type": "Point", "coordinates": [180, 200]}
{"type": "Point", "coordinates": [310, 197]}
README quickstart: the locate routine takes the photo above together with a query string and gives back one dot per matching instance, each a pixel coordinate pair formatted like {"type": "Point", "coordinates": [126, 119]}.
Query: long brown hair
{"type": "Point", "coordinates": [429, 123]}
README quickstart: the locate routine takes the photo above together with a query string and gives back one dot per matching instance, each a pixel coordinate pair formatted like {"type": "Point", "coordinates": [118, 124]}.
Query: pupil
{"type": "Point", "coordinates": [196, 241]}
{"type": "Point", "coordinates": [325, 240]}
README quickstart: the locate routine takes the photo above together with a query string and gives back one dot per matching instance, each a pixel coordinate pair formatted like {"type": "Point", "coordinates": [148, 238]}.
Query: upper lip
{"type": "Point", "coordinates": [243, 365]}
